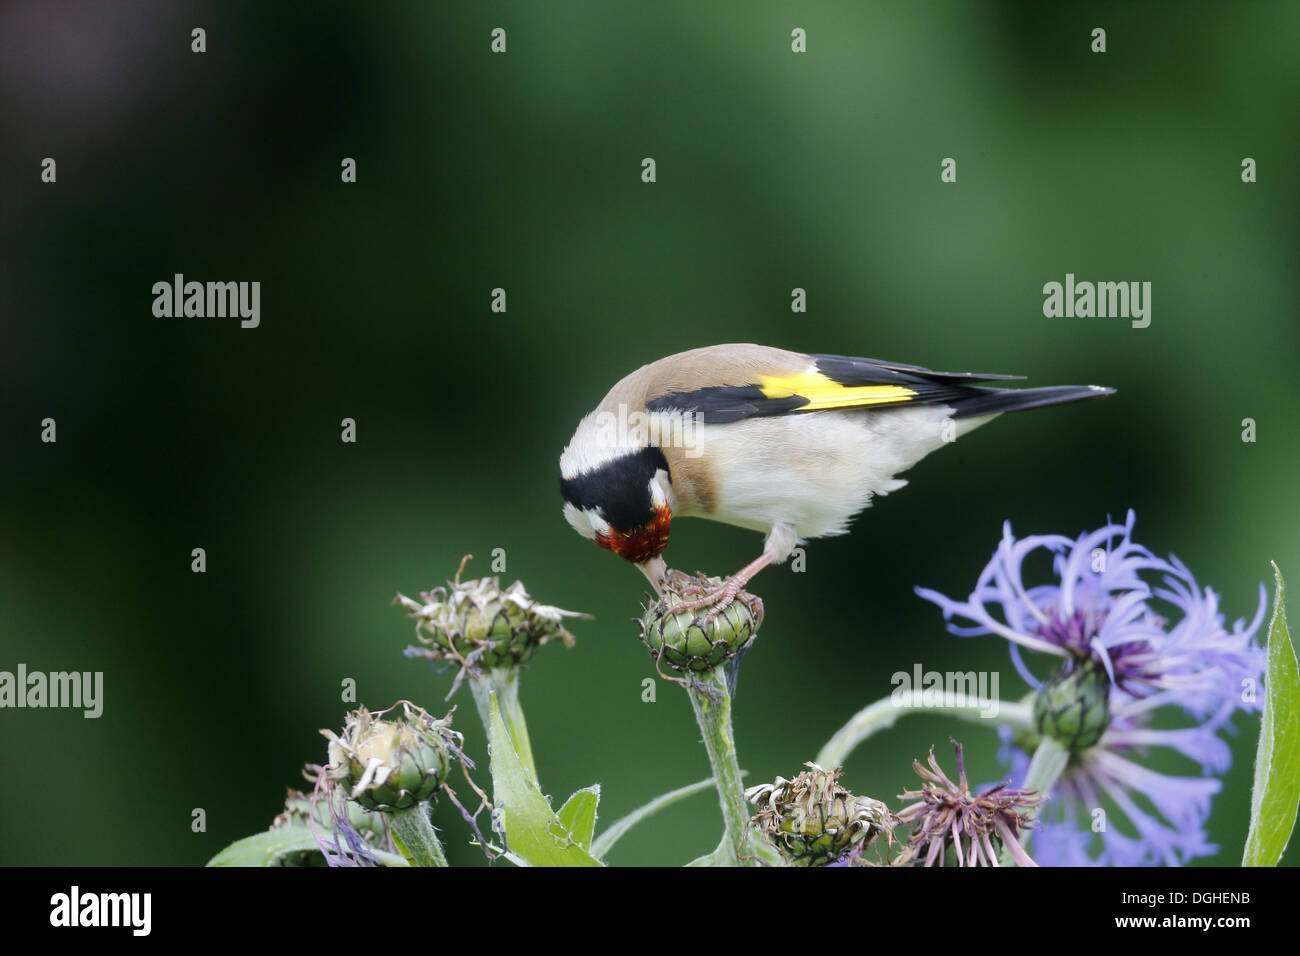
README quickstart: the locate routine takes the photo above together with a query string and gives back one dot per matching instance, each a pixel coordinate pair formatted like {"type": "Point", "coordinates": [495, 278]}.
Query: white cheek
{"type": "Point", "coordinates": [598, 525]}
{"type": "Point", "coordinates": [659, 489]}
{"type": "Point", "coordinates": [585, 521]}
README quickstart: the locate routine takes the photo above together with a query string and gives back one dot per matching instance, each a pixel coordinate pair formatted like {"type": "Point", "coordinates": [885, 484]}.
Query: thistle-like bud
{"type": "Point", "coordinates": [1072, 707]}
{"type": "Point", "coordinates": [813, 820]}
{"type": "Point", "coordinates": [683, 638]}
{"type": "Point", "coordinates": [477, 624]}
{"type": "Point", "coordinates": [391, 764]}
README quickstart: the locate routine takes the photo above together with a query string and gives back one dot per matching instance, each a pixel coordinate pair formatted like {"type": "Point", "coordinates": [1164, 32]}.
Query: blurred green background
{"type": "Point", "coordinates": [522, 171]}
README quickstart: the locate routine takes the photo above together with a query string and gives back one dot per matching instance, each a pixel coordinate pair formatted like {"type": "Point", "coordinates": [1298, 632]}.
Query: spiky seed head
{"type": "Point", "coordinates": [391, 764]}
{"type": "Point", "coordinates": [948, 815]}
{"type": "Point", "coordinates": [813, 820]}
{"type": "Point", "coordinates": [478, 624]}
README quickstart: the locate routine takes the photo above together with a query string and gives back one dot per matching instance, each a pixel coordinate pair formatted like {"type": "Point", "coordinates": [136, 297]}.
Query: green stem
{"type": "Point", "coordinates": [504, 682]}
{"type": "Point", "coordinates": [1045, 768]}
{"type": "Point", "coordinates": [711, 702]}
{"type": "Point", "coordinates": [883, 713]}
{"type": "Point", "coordinates": [414, 836]}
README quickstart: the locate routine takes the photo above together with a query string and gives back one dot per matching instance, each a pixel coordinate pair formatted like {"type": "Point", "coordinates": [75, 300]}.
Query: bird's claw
{"type": "Point", "coordinates": [716, 601]}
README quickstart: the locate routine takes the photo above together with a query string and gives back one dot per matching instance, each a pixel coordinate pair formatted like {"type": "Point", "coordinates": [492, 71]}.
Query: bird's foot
{"type": "Point", "coordinates": [716, 599]}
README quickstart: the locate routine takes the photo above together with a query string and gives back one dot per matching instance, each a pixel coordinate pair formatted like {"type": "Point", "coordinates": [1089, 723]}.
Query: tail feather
{"type": "Point", "coordinates": [994, 401]}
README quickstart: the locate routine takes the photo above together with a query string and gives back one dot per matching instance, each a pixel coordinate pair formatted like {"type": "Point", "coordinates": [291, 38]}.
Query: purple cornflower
{"type": "Point", "coordinates": [1100, 613]}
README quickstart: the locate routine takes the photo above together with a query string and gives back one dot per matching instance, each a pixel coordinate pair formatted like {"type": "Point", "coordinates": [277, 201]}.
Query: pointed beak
{"type": "Point", "coordinates": [655, 570]}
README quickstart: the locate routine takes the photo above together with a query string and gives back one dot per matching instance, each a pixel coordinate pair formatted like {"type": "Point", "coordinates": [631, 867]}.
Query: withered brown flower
{"type": "Point", "coordinates": [948, 812]}
{"type": "Point", "coordinates": [815, 821]}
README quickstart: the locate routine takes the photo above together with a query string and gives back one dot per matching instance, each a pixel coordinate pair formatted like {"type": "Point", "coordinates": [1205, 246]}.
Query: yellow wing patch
{"type": "Point", "coordinates": [823, 392]}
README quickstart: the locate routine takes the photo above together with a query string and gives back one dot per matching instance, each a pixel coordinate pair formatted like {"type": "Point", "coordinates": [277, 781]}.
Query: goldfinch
{"type": "Point", "coordinates": [789, 444]}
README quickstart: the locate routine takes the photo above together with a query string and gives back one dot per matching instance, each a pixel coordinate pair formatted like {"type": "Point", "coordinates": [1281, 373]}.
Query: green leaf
{"type": "Point", "coordinates": [1276, 791]}
{"type": "Point", "coordinates": [288, 846]}
{"type": "Point", "coordinates": [267, 849]}
{"type": "Point", "coordinates": [532, 829]}
{"type": "Point", "coordinates": [614, 832]}
{"type": "Point", "coordinates": [578, 815]}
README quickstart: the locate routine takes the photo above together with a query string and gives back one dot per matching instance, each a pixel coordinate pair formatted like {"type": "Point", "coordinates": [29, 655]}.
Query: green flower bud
{"type": "Point", "coordinates": [685, 642]}
{"type": "Point", "coordinates": [478, 625]}
{"type": "Point", "coordinates": [391, 765]}
{"type": "Point", "coordinates": [813, 820]}
{"type": "Point", "coordinates": [1072, 707]}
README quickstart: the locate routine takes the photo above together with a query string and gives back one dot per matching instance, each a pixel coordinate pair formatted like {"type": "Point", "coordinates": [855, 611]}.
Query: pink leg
{"type": "Point", "coordinates": [718, 599]}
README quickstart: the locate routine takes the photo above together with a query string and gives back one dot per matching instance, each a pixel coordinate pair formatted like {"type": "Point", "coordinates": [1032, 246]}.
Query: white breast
{"type": "Point", "coordinates": [814, 472]}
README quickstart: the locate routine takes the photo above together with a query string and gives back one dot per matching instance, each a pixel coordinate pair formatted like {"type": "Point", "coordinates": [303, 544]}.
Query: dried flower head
{"type": "Point", "coordinates": [813, 820]}
{"type": "Point", "coordinates": [392, 765]}
{"type": "Point", "coordinates": [947, 811]}
{"type": "Point", "coordinates": [478, 625]}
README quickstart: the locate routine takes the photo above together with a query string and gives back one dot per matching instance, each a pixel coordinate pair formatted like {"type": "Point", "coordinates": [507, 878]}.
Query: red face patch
{"type": "Point", "coordinates": [639, 544]}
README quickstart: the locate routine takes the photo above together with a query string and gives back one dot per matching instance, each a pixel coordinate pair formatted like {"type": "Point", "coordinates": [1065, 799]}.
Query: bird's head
{"type": "Point", "coordinates": [621, 499]}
